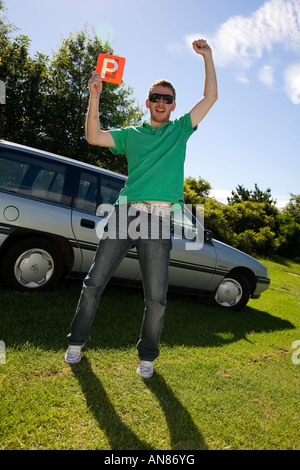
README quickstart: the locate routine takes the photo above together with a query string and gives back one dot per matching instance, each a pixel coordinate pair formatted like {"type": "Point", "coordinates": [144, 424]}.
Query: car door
{"type": "Point", "coordinates": [36, 194]}
{"type": "Point", "coordinates": [193, 256]}
{"type": "Point", "coordinates": [192, 259]}
{"type": "Point", "coordinates": [93, 189]}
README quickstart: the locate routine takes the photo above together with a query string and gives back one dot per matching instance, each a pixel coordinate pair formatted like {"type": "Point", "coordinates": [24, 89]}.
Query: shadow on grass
{"type": "Point", "coordinates": [184, 434]}
{"type": "Point", "coordinates": [43, 319]}
{"type": "Point", "coordinates": [281, 260]}
{"type": "Point", "coordinates": [192, 323]}
{"type": "Point", "coordinates": [119, 435]}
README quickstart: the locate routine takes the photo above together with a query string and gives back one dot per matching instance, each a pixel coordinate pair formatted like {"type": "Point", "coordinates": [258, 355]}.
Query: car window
{"type": "Point", "coordinates": [87, 192]}
{"type": "Point", "coordinates": [48, 184]}
{"type": "Point", "coordinates": [29, 175]}
{"type": "Point", "coordinates": [11, 173]}
{"type": "Point", "coordinates": [110, 189]}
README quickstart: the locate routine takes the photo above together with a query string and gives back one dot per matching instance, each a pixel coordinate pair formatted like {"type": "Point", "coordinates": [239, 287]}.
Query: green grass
{"type": "Point", "coordinates": [224, 380]}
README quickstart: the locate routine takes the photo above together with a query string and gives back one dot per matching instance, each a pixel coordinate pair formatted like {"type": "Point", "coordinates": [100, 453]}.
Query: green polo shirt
{"type": "Point", "coordinates": [155, 159]}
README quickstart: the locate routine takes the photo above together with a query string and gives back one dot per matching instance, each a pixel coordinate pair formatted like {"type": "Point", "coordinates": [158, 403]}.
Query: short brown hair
{"type": "Point", "coordinates": [164, 83]}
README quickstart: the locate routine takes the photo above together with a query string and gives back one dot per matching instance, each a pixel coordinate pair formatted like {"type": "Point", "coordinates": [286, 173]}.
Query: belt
{"type": "Point", "coordinates": [160, 210]}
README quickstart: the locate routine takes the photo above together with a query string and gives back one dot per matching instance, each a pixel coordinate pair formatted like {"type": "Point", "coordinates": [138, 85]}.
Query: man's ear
{"type": "Point", "coordinates": [147, 103]}
{"type": "Point", "coordinates": [174, 106]}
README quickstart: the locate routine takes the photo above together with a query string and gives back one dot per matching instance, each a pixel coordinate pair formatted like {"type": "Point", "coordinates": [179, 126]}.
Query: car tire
{"type": "Point", "coordinates": [233, 292]}
{"type": "Point", "coordinates": [33, 264]}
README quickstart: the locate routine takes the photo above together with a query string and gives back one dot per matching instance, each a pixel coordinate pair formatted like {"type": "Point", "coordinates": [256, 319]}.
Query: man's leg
{"type": "Point", "coordinates": [108, 256]}
{"type": "Point", "coordinates": [154, 257]}
{"type": "Point", "coordinates": [110, 252]}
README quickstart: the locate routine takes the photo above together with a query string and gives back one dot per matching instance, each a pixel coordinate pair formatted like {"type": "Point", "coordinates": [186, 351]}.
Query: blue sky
{"type": "Point", "coordinates": [251, 135]}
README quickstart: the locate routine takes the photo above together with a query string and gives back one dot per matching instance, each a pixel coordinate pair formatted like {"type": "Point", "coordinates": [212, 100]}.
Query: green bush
{"type": "Point", "coordinates": [248, 226]}
{"type": "Point", "coordinates": [262, 242]}
{"type": "Point", "coordinates": [289, 236]}
{"type": "Point", "coordinates": [251, 221]}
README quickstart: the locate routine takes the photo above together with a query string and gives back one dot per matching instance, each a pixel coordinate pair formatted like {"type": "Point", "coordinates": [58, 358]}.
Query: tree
{"type": "Point", "coordinates": [289, 228]}
{"type": "Point", "coordinates": [262, 242]}
{"type": "Point", "coordinates": [293, 207]}
{"type": "Point", "coordinates": [245, 225]}
{"type": "Point", "coordinates": [248, 224]}
{"type": "Point", "coordinates": [46, 101]}
{"type": "Point", "coordinates": [216, 219]}
{"type": "Point", "coordinates": [288, 236]}
{"type": "Point", "coordinates": [70, 70]}
{"type": "Point", "coordinates": [25, 78]}
{"type": "Point", "coordinates": [195, 192]}
{"type": "Point", "coordinates": [241, 195]}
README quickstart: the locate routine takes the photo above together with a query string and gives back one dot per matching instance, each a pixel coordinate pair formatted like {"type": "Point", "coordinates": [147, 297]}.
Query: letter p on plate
{"type": "Point", "coordinates": [110, 68]}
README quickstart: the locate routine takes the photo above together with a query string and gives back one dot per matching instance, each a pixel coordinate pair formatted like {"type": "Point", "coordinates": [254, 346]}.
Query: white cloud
{"type": "Point", "coordinates": [242, 79]}
{"type": "Point", "coordinates": [244, 39]}
{"type": "Point", "coordinates": [292, 83]}
{"type": "Point", "coordinates": [220, 195]}
{"type": "Point", "coordinates": [282, 203]}
{"type": "Point", "coordinates": [273, 28]}
{"type": "Point", "coordinates": [266, 75]}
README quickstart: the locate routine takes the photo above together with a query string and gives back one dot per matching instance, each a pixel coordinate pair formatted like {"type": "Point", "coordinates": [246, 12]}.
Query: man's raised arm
{"type": "Point", "coordinates": [94, 134]}
{"type": "Point", "coordinates": [210, 94]}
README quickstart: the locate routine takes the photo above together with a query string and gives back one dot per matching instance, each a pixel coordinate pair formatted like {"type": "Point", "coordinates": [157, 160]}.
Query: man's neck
{"type": "Point", "coordinates": [156, 124]}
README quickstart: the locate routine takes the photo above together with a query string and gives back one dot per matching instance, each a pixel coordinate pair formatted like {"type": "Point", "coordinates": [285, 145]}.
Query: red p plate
{"type": "Point", "coordinates": [111, 68]}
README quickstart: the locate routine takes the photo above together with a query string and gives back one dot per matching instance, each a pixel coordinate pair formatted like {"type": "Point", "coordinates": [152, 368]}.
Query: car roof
{"type": "Point", "coordinates": [53, 156]}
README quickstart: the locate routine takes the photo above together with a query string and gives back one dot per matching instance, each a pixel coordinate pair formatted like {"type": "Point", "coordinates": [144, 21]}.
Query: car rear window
{"type": "Point", "coordinates": [31, 176]}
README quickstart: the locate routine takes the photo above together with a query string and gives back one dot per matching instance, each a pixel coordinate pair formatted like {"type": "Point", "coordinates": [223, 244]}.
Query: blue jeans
{"type": "Point", "coordinates": [154, 257]}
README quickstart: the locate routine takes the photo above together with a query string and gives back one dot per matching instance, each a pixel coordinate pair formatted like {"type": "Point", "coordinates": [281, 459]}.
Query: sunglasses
{"type": "Point", "coordinates": [155, 98]}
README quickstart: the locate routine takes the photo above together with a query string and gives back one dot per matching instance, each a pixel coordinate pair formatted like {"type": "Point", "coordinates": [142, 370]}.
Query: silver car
{"type": "Point", "coordinates": [48, 229]}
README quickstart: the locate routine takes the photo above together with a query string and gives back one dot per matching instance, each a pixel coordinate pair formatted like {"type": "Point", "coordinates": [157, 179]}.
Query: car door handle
{"type": "Point", "coordinates": [86, 223]}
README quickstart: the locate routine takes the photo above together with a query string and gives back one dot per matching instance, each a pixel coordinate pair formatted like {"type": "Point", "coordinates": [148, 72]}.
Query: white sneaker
{"type": "Point", "coordinates": [73, 354]}
{"type": "Point", "coordinates": [145, 369]}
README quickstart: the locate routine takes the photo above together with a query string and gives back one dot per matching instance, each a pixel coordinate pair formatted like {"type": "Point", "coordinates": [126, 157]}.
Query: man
{"type": "Point", "coordinates": [155, 154]}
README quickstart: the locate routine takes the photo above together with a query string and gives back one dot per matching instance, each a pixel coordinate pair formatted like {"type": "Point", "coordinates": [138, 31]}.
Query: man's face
{"type": "Point", "coordinates": [160, 112]}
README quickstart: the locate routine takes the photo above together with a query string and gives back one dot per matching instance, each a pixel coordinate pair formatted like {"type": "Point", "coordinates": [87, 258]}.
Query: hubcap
{"type": "Point", "coordinates": [34, 268]}
{"type": "Point", "coordinates": [229, 293]}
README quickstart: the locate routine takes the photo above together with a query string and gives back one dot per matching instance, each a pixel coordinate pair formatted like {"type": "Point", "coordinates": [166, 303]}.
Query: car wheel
{"type": "Point", "coordinates": [32, 265]}
{"type": "Point", "coordinates": [233, 292]}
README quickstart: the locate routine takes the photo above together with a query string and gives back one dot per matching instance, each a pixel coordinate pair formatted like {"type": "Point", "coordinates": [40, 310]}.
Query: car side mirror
{"type": "Point", "coordinates": [208, 236]}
